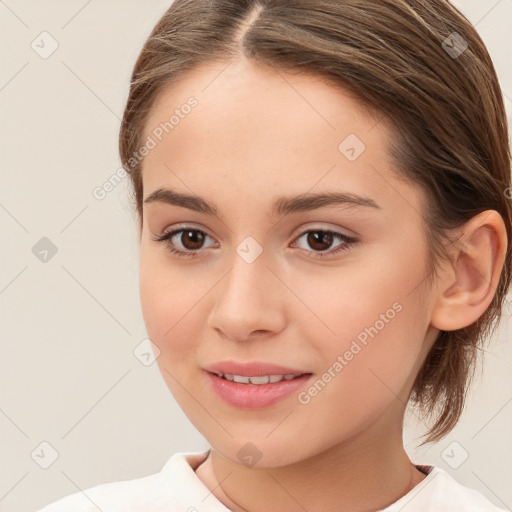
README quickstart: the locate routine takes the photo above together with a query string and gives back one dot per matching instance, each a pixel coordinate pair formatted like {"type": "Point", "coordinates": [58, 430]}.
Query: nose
{"type": "Point", "coordinates": [249, 300]}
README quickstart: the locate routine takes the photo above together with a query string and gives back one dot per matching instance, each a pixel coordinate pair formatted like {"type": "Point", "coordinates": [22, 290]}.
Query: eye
{"type": "Point", "coordinates": [320, 239]}
{"type": "Point", "coordinates": [191, 240]}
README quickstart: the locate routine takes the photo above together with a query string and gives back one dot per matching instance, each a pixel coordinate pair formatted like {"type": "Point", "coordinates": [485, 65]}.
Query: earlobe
{"type": "Point", "coordinates": [467, 285]}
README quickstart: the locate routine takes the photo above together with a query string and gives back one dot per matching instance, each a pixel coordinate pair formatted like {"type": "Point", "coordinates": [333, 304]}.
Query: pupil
{"type": "Point", "coordinates": [314, 236]}
{"type": "Point", "coordinates": [195, 236]}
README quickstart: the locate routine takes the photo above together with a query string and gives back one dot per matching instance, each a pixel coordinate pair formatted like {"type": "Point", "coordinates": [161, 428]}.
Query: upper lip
{"type": "Point", "coordinates": [252, 368]}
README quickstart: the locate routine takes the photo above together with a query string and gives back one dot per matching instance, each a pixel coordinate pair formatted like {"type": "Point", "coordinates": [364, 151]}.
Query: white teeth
{"type": "Point", "coordinates": [241, 379]}
{"type": "Point", "coordinates": [264, 379]}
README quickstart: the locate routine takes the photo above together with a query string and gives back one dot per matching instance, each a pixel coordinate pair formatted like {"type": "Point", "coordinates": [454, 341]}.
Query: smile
{"type": "Point", "coordinates": [257, 380]}
{"type": "Point", "coordinates": [248, 392]}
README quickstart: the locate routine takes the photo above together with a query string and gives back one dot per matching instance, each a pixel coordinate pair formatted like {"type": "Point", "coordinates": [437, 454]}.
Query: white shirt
{"type": "Point", "coordinates": [177, 488]}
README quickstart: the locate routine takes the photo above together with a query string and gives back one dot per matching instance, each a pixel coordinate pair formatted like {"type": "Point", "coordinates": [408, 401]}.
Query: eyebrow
{"type": "Point", "coordinates": [281, 206]}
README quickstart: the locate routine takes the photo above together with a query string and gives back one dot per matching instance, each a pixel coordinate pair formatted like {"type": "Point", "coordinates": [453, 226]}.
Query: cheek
{"type": "Point", "coordinates": [369, 364]}
{"type": "Point", "coordinates": [171, 303]}
{"type": "Point", "coordinates": [172, 311]}
{"type": "Point", "coordinates": [369, 327]}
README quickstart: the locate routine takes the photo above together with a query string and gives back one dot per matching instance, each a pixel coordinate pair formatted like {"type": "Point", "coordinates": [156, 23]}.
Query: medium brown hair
{"type": "Point", "coordinates": [446, 110]}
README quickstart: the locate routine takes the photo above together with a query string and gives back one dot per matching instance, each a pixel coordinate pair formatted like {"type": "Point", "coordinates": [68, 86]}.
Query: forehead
{"type": "Point", "coordinates": [262, 129]}
{"type": "Point", "coordinates": [239, 89]}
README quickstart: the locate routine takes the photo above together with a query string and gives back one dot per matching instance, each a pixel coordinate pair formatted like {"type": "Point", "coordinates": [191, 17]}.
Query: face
{"type": "Point", "coordinates": [329, 289]}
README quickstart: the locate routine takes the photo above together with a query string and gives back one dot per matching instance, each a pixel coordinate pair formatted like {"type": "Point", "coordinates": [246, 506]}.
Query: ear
{"type": "Point", "coordinates": [467, 285]}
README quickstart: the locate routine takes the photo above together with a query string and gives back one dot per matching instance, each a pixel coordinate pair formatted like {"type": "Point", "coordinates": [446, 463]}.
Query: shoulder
{"type": "Point", "coordinates": [440, 492]}
{"type": "Point", "coordinates": [158, 491]}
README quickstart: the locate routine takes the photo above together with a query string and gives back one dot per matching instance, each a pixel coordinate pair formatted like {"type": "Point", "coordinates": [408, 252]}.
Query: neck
{"type": "Point", "coordinates": [361, 474]}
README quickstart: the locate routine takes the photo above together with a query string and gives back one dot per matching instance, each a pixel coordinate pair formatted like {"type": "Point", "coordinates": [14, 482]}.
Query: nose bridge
{"type": "Point", "coordinates": [249, 274]}
{"type": "Point", "coordinates": [243, 303]}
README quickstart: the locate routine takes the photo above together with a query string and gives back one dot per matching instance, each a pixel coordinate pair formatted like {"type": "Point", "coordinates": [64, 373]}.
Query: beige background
{"type": "Point", "coordinates": [68, 374]}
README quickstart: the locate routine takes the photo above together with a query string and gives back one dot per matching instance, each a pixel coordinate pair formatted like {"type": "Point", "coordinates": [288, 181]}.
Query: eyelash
{"type": "Point", "coordinates": [348, 242]}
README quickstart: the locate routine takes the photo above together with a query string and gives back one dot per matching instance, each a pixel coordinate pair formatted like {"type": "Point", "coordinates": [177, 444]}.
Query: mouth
{"type": "Point", "coordinates": [255, 392]}
{"type": "Point", "coordinates": [258, 380]}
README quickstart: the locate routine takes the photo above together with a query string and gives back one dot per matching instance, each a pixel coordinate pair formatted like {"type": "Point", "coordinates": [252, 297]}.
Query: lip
{"type": "Point", "coordinates": [251, 396]}
{"type": "Point", "coordinates": [252, 368]}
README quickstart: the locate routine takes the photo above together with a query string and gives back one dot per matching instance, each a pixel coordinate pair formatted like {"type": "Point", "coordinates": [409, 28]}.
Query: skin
{"type": "Point", "coordinates": [256, 134]}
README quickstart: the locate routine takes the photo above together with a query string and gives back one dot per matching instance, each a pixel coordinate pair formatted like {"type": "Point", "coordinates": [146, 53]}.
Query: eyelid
{"type": "Point", "coordinates": [330, 228]}
{"type": "Point", "coordinates": [183, 226]}
{"type": "Point", "coordinates": [296, 233]}
{"type": "Point", "coordinates": [349, 240]}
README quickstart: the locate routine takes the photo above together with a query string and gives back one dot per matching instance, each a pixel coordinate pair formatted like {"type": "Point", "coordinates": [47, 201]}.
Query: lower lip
{"type": "Point", "coordinates": [255, 396]}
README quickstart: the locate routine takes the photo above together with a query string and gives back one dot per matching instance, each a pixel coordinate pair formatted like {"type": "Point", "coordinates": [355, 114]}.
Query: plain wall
{"type": "Point", "coordinates": [69, 326]}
